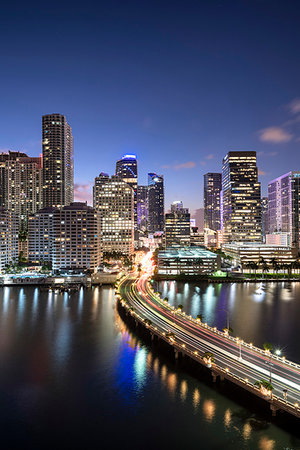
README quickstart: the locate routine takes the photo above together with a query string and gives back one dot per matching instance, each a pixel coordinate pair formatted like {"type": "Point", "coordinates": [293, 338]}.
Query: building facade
{"type": "Point", "coordinates": [41, 236]}
{"type": "Point", "coordinates": [9, 230]}
{"type": "Point", "coordinates": [142, 208]}
{"type": "Point", "coordinates": [284, 205]}
{"type": "Point", "coordinates": [212, 191]}
{"type": "Point", "coordinates": [178, 226]}
{"type": "Point", "coordinates": [241, 207]}
{"type": "Point", "coordinates": [114, 200]}
{"type": "Point", "coordinates": [192, 261]}
{"type": "Point", "coordinates": [58, 177]}
{"type": "Point", "coordinates": [126, 168]}
{"type": "Point", "coordinates": [264, 218]}
{"type": "Point", "coordinates": [156, 199]}
{"type": "Point", "coordinates": [21, 185]}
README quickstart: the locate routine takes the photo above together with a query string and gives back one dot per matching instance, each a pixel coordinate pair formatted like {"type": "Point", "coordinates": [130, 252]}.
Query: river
{"type": "Point", "coordinates": [72, 375]}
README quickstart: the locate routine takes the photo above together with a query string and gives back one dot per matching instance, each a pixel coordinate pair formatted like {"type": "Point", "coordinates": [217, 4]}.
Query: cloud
{"type": "Point", "coordinates": [210, 156]}
{"type": "Point", "coordinates": [267, 153]}
{"type": "Point", "coordinates": [261, 172]}
{"type": "Point", "coordinates": [275, 135]}
{"type": "Point", "coordinates": [83, 192]}
{"type": "Point", "coordinates": [294, 106]}
{"type": "Point", "coordinates": [187, 165]}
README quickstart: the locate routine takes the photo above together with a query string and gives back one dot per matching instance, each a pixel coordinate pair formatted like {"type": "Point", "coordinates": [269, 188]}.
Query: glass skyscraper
{"type": "Point", "coordinates": [156, 201]}
{"type": "Point", "coordinates": [212, 191]}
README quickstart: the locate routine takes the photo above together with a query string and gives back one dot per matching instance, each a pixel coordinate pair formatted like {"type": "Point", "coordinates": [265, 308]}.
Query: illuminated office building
{"type": "Point", "coordinates": [155, 203]}
{"type": "Point", "coordinates": [58, 178]}
{"type": "Point", "coordinates": [284, 205]}
{"type": "Point", "coordinates": [212, 190]}
{"type": "Point", "coordinates": [178, 226]}
{"type": "Point", "coordinates": [241, 214]}
{"type": "Point", "coordinates": [142, 208]}
{"type": "Point", "coordinates": [264, 218]}
{"type": "Point", "coordinates": [114, 200]}
{"type": "Point", "coordinates": [126, 168]}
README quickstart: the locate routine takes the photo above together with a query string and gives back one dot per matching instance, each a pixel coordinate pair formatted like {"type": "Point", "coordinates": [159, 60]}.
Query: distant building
{"type": "Point", "coordinates": [279, 238]}
{"type": "Point", "coordinates": [241, 215]}
{"type": "Point", "coordinates": [198, 215]}
{"type": "Point", "coordinates": [114, 200]}
{"type": "Point", "coordinates": [244, 253]}
{"type": "Point", "coordinates": [9, 251]}
{"type": "Point", "coordinates": [142, 208]}
{"type": "Point", "coordinates": [156, 198]}
{"type": "Point", "coordinates": [264, 218]}
{"type": "Point", "coordinates": [20, 185]}
{"type": "Point", "coordinates": [284, 205]}
{"type": "Point", "coordinates": [177, 226]}
{"type": "Point", "coordinates": [126, 168]}
{"type": "Point", "coordinates": [197, 237]}
{"type": "Point", "coordinates": [192, 261]}
{"type": "Point", "coordinates": [68, 237]}
{"type": "Point", "coordinates": [58, 177]}
{"type": "Point", "coordinates": [212, 190]}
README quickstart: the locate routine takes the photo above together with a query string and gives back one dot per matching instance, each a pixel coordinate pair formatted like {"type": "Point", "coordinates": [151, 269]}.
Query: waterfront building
{"type": "Point", "coordinates": [191, 261]}
{"type": "Point", "coordinates": [142, 208]}
{"type": "Point", "coordinates": [9, 229]}
{"type": "Point", "coordinates": [241, 215]}
{"type": "Point", "coordinates": [243, 253]}
{"type": "Point", "coordinates": [68, 237]}
{"type": "Point", "coordinates": [156, 201]}
{"type": "Point", "coordinates": [41, 236]}
{"type": "Point", "coordinates": [178, 226]}
{"type": "Point", "coordinates": [126, 168]}
{"type": "Point", "coordinates": [264, 218]}
{"type": "Point", "coordinates": [212, 191]}
{"type": "Point", "coordinates": [210, 238]}
{"type": "Point", "coordinates": [284, 205]}
{"type": "Point", "coordinates": [196, 237]}
{"type": "Point", "coordinates": [114, 200]}
{"type": "Point", "coordinates": [58, 178]}
{"type": "Point", "coordinates": [21, 185]}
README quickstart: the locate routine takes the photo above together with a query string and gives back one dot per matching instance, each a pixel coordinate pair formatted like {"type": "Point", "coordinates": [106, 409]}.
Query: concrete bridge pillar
{"type": "Point", "coordinates": [273, 409]}
{"type": "Point", "coordinates": [176, 354]}
{"type": "Point", "coordinates": [152, 336]}
{"type": "Point", "coordinates": [214, 377]}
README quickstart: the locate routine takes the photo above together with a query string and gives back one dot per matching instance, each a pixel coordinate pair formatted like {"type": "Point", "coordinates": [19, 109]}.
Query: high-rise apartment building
{"type": "Point", "coordinates": [178, 226]}
{"type": "Point", "coordinates": [142, 208]}
{"type": "Point", "coordinates": [212, 191]}
{"type": "Point", "coordinates": [9, 228]}
{"type": "Point", "coordinates": [114, 200]}
{"type": "Point", "coordinates": [21, 185]}
{"type": "Point", "coordinates": [156, 200]}
{"type": "Point", "coordinates": [68, 237]}
{"type": "Point", "coordinates": [241, 215]}
{"type": "Point", "coordinates": [284, 205]}
{"type": "Point", "coordinates": [58, 178]}
{"type": "Point", "coordinates": [126, 168]}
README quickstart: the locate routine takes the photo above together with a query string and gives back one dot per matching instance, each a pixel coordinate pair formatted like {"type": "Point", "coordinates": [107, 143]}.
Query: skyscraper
{"type": "Point", "coordinates": [21, 185]}
{"type": "Point", "coordinates": [8, 238]}
{"type": "Point", "coordinates": [142, 208]}
{"type": "Point", "coordinates": [241, 213]}
{"type": "Point", "coordinates": [264, 217]}
{"type": "Point", "coordinates": [284, 205]}
{"type": "Point", "coordinates": [212, 190]}
{"type": "Point", "coordinates": [155, 202]}
{"type": "Point", "coordinates": [58, 178]}
{"type": "Point", "coordinates": [126, 168]}
{"type": "Point", "coordinates": [178, 226]}
{"type": "Point", "coordinates": [114, 200]}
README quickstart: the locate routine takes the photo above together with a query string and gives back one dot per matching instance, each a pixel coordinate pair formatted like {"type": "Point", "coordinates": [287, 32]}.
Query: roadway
{"type": "Point", "coordinates": [237, 358]}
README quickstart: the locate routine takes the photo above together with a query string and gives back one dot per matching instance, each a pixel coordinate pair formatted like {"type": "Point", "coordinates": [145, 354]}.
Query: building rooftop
{"type": "Point", "coordinates": [190, 252]}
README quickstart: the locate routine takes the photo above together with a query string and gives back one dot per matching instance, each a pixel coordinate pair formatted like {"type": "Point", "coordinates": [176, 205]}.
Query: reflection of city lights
{"type": "Point", "coordinates": [172, 382]}
{"type": "Point", "coordinates": [163, 372]}
{"type": "Point", "coordinates": [266, 443]}
{"type": "Point", "coordinates": [227, 417]}
{"type": "Point", "coordinates": [247, 431]}
{"type": "Point", "coordinates": [209, 408]}
{"type": "Point", "coordinates": [183, 390]}
{"type": "Point", "coordinates": [196, 398]}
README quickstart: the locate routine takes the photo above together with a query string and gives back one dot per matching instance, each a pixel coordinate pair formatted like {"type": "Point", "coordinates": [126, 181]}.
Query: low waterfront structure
{"type": "Point", "coordinates": [243, 253]}
{"type": "Point", "coordinates": [187, 261]}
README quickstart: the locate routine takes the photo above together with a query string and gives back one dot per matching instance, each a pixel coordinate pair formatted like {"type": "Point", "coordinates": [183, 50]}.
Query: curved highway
{"type": "Point", "coordinates": [237, 358]}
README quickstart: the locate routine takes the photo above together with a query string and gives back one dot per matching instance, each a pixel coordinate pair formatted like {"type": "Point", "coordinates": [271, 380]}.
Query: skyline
{"type": "Point", "coordinates": [179, 86]}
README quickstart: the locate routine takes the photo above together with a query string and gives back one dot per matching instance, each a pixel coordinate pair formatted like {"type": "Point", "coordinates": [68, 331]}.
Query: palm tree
{"type": "Point", "coordinates": [180, 307]}
{"type": "Point", "coordinates": [268, 346]}
{"type": "Point", "coordinates": [254, 267]}
{"type": "Point", "coordinates": [265, 387]}
{"type": "Point", "coordinates": [200, 317]}
{"type": "Point", "coordinates": [208, 358]}
{"type": "Point", "coordinates": [265, 268]}
{"type": "Point", "coordinates": [275, 264]}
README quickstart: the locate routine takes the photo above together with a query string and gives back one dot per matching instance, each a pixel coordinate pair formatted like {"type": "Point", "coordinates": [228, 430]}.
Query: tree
{"type": "Point", "coordinates": [265, 387]}
{"type": "Point", "coordinates": [254, 267]}
{"type": "Point", "coordinates": [200, 317]}
{"type": "Point", "coordinates": [180, 307]}
{"type": "Point", "coordinates": [228, 330]}
{"type": "Point", "coordinates": [268, 346]}
{"type": "Point", "coordinates": [208, 358]}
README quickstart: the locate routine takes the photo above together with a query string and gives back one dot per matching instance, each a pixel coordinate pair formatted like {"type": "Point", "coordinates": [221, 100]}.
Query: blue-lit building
{"type": "Point", "coordinates": [126, 168]}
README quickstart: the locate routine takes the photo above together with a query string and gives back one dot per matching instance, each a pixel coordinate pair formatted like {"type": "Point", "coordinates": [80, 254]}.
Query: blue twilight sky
{"type": "Point", "coordinates": [179, 83]}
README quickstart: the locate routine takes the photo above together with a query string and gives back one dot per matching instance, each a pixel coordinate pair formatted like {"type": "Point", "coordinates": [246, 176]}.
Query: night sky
{"type": "Point", "coordinates": [179, 83]}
